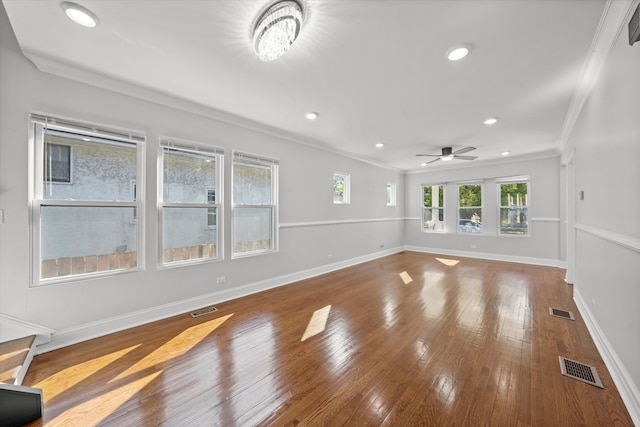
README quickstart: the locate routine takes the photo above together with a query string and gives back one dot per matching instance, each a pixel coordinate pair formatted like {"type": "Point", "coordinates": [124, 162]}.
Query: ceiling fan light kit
{"type": "Point", "coordinates": [448, 154]}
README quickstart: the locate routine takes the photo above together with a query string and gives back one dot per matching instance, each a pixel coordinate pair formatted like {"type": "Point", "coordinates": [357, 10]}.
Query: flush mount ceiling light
{"type": "Point", "coordinates": [490, 121]}
{"type": "Point", "coordinates": [276, 29]}
{"type": "Point", "coordinates": [79, 14]}
{"type": "Point", "coordinates": [456, 53]}
{"type": "Point", "coordinates": [311, 115]}
{"type": "Point", "coordinates": [379, 145]}
{"type": "Point", "coordinates": [505, 153]}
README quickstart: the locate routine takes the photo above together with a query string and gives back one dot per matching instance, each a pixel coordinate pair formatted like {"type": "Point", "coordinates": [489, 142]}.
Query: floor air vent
{"type": "Point", "coordinates": [204, 311]}
{"type": "Point", "coordinates": [561, 313]}
{"type": "Point", "coordinates": [580, 371]}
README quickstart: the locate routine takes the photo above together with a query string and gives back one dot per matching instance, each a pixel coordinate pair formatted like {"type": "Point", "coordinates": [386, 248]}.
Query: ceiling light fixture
{"type": "Point", "coordinates": [456, 53]}
{"type": "Point", "coordinates": [505, 153]}
{"type": "Point", "coordinates": [311, 115]}
{"type": "Point", "coordinates": [423, 164]}
{"type": "Point", "coordinates": [79, 14]}
{"type": "Point", "coordinates": [379, 145]}
{"type": "Point", "coordinates": [490, 121]}
{"type": "Point", "coordinates": [276, 29]}
{"type": "Point", "coordinates": [447, 158]}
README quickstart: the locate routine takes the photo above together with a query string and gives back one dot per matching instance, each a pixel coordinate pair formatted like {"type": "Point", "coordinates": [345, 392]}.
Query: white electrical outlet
{"type": "Point", "coordinates": [221, 279]}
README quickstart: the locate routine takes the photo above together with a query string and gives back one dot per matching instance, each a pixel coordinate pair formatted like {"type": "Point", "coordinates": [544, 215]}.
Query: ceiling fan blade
{"type": "Point", "coordinates": [434, 160]}
{"type": "Point", "coordinates": [430, 155]}
{"type": "Point", "coordinates": [465, 157]}
{"type": "Point", "coordinates": [464, 150]}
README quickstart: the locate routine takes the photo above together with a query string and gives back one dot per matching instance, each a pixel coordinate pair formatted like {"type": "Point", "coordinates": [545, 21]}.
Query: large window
{"type": "Point", "coordinates": [433, 208]}
{"type": "Point", "coordinates": [341, 188]}
{"type": "Point", "coordinates": [255, 202]}
{"type": "Point", "coordinates": [82, 205]}
{"type": "Point", "coordinates": [514, 207]}
{"type": "Point", "coordinates": [470, 208]}
{"type": "Point", "coordinates": [190, 206]}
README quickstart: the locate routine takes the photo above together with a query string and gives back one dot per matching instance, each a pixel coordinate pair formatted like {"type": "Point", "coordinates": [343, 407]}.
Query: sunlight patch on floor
{"type": "Point", "coordinates": [77, 373]}
{"type": "Point", "coordinates": [175, 347]}
{"type": "Point", "coordinates": [448, 262]}
{"type": "Point", "coordinates": [95, 410]}
{"type": "Point", "coordinates": [406, 278]}
{"type": "Point", "coordinates": [317, 323]}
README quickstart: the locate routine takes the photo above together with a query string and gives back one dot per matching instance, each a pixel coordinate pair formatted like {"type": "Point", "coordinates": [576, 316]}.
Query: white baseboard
{"type": "Point", "coordinates": [12, 328]}
{"type": "Point", "coordinates": [626, 387]}
{"type": "Point", "coordinates": [490, 256]}
{"type": "Point", "coordinates": [76, 334]}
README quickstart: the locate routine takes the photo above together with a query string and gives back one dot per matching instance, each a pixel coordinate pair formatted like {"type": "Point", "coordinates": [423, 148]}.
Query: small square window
{"type": "Point", "coordinates": [391, 194]}
{"type": "Point", "coordinates": [341, 188]}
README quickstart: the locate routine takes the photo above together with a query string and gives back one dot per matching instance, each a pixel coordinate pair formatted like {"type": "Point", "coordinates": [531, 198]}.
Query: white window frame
{"type": "Point", "coordinates": [346, 197]}
{"type": "Point", "coordinates": [260, 161]}
{"type": "Point", "coordinates": [458, 219]}
{"type": "Point", "coordinates": [440, 208]}
{"type": "Point", "coordinates": [133, 190]}
{"type": "Point", "coordinates": [212, 211]}
{"type": "Point", "coordinates": [526, 205]}
{"type": "Point", "coordinates": [38, 125]}
{"type": "Point", "coordinates": [198, 149]}
{"type": "Point", "coordinates": [391, 194]}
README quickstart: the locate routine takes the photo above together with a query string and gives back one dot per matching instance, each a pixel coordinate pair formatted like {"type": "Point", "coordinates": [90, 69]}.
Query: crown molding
{"type": "Point", "coordinates": [613, 20]}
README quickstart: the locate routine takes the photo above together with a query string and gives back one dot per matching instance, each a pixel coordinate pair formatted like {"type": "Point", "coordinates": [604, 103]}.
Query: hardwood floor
{"type": "Point", "coordinates": [410, 339]}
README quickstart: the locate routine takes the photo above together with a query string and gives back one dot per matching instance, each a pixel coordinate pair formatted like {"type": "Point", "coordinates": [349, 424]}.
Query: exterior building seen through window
{"type": "Point", "coordinates": [85, 214]}
{"type": "Point", "coordinates": [191, 181]}
{"type": "Point", "coordinates": [255, 205]}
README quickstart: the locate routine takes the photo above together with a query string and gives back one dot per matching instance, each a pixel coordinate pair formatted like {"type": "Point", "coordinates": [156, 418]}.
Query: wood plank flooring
{"type": "Point", "coordinates": [410, 339]}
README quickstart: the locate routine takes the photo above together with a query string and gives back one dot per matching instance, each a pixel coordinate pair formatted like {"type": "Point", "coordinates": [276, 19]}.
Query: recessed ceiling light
{"type": "Point", "coordinates": [79, 14]}
{"type": "Point", "coordinates": [456, 53]}
{"type": "Point", "coordinates": [506, 153]}
{"type": "Point", "coordinates": [491, 121]}
{"type": "Point", "coordinates": [311, 115]}
{"type": "Point", "coordinates": [379, 145]}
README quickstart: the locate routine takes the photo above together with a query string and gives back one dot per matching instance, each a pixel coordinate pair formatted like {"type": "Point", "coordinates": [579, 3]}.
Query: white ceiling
{"type": "Point", "coordinates": [375, 70]}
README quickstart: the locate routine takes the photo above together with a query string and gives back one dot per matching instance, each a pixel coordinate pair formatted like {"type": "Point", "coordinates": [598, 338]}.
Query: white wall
{"type": "Point", "coordinates": [307, 236]}
{"type": "Point", "coordinates": [541, 247]}
{"type": "Point", "coordinates": [606, 140]}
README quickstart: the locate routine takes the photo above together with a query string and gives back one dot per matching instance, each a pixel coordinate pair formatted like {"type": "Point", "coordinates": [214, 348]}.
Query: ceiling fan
{"type": "Point", "coordinates": [448, 154]}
